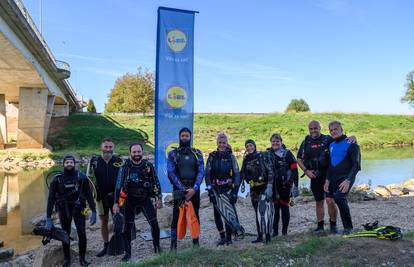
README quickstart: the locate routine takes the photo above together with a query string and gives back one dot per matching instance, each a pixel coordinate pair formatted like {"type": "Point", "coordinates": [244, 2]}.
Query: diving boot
{"type": "Point", "coordinates": [333, 228]}
{"type": "Point", "coordinates": [228, 239]}
{"type": "Point", "coordinates": [103, 251]}
{"type": "Point", "coordinates": [222, 240]}
{"type": "Point", "coordinates": [157, 248]}
{"type": "Point", "coordinates": [196, 243]}
{"type": "Point", "coordinates": [347, 231]}
{"type": "Point", "coordinates": [126, 257]}
{"type": "Point", "coordinates": [173, 246]}
{"type": "Point", "coordinates": [320, 228]}
{"type": "Point", "coordinates": [259, 239]}
{"type": "Point", "coordinates": [66, 263]}
{"type": "Point", "coordinates": [84, 262]}
{"type": "Point", "coordinates": [267, 239]}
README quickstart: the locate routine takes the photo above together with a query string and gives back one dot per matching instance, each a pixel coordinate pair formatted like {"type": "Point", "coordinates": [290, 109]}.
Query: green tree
{"type": "Point", "coordinates": [298, 105]}
{"type": "Point", "coordinates": [133, 92]}
{"type": "Point", "coordinates": [91, 107]}
{"type": "Point", "coordinates": [409, 94]}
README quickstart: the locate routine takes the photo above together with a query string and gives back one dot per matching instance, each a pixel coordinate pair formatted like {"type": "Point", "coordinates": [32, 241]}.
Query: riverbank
{"type": "Point", "coordinates": [82, 133]}
{"type": "Point", "coordinates": [299, 248]}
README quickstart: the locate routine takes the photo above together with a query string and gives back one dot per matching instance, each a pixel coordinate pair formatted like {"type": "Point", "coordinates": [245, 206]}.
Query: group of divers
{"type": "Point", "coordinates": [128, 187]}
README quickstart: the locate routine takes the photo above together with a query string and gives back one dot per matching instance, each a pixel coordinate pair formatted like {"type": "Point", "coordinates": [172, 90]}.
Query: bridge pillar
{"type": "Point", "coordinates": [3, 121]}
{"type": "Point", "coordinates": [33, 104]}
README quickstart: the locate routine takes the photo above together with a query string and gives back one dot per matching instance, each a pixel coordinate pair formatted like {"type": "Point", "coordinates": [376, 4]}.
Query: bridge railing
{"type": "Point", "coordinates": [29, 20]}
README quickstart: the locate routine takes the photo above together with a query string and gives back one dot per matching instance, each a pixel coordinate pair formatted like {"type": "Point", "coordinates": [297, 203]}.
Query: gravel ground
{"type": "Point", "coordinates": [397, 211]}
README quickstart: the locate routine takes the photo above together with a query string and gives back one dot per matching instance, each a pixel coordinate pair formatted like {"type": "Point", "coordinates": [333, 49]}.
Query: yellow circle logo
{"type": "Point", "coordinates": [176, 97]}
{"type": "Point", "coordinates": [169, 148]}
{"type": "Point", "coordinates": [176, 40]}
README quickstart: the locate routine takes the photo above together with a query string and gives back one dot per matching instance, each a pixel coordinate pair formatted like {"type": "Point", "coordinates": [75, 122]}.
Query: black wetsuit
{"type": "Point", "coordinates": [140, 183]}
{"type": "Point", "coordinates": [257, 173]}
{"type": "Point", "coordinates": [314, 152]}
{"type": "Point", "coordinates": [345, 163]}
{"type": "Point", "coordinates": [285, 171]}
{"type": "Point", "coordinates": [70, 191]}
{"type": "Point", "coordinates": [185, 170]}
{"type": "Point", "coordinates": [222, 174]}
{"type": "Point", "coordinates": [105, 180]}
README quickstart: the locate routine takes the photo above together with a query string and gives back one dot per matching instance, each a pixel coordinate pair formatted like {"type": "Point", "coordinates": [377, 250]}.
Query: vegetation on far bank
{"type": "Point", "coordinates": [83, 132]}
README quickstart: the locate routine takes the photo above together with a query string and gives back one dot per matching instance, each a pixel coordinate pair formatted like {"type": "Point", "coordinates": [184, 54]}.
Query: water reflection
{"type": "Point", "coordinates": [23, 196]}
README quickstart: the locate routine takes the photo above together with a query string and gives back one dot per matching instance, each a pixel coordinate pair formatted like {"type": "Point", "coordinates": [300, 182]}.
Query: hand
{"type": "Point", "coordinates": [344, 186]}
{"type": "Point", "coordinates": [92, 218]}
{"type": "Point", "coordinates": [295, 191]}
{"type": "Point", "coordinates": [352, 139]}
{"type": "Point", "coordinates": [158, 203]}
{"type": "Point", "coordinates": [269, 191]}
{"type": "Point", "coordinates": [49, 223]}
{"type": "Point", "coordinates": [311, 174]}
{"type": "Point", "coordinates": [326, 186]}
{"type": "Point", "coordinates": [189, 194]}
{"type": "Point", "coordinates": [115, 208]}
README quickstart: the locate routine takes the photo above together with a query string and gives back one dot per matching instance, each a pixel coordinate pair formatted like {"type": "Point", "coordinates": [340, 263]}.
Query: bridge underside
{"type": "Point", "coordinates": [26, 103]}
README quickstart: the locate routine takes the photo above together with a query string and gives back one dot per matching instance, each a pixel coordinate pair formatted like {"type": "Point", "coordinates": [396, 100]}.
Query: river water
{"type": "Point", "coordinates": [23, 194]}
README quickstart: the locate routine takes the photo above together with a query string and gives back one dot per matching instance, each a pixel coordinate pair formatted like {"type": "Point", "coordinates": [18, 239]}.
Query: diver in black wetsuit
{"type": "Point", "coordinates": [69, 191]}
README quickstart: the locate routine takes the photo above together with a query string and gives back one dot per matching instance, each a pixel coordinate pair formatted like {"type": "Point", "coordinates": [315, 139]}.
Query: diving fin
{"type": "Point", "coordinates": [265, 214]}
{"type": "Point", "coordinates": [182, 222]}
{"type": "Point", "coordinates": [116, 245]}
{"type": "Point", "coordinates": [228, 212]}
{"type": "Point", "coordinates": [192, 221]}
{"type": "Point", "coordinates": [55, 233]}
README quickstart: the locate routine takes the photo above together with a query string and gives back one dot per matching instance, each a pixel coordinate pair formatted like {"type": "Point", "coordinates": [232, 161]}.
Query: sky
{"type": "Point", "coordinates": [250, 56]}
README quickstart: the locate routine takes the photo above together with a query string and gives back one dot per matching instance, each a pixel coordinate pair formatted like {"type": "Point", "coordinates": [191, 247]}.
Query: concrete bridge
{"type": "Point", "coordinates": [33, 84]}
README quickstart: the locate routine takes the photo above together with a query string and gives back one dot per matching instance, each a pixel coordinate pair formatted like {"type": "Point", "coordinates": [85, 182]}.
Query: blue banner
{"type": "Point", "coordinates": [174, 97]}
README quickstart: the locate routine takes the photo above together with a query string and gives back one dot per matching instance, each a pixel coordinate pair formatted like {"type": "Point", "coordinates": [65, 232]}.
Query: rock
{"type": "Point", "coordinates": [359, 195]}
{"type": "Point", "coordinates": [396, 192]}
{"type": "Point", "coordinates": [39, 220]}
{"type": "Point", "coordinates": [393, 187]}
{"type": "Point", "coordinates": [204, 196]}
{"type": "Point", "coordinates": [362, 187]}
{"type": "Point", "coordinates": [51, 255]}
{"type": "Point", "coordinates": [382, 191]}
{"type": "Point", "coordinates": [164, 216]}
{"type": "Point", "coordinates": [204, 203]}
{"type": "Point", "coordinates": [169, 199]}
{"type": "Point", "coordinates": [408, 188]}
{"type": "Point", "coordinates": [22, 261]}
{"type": "Point", "coordinates": [408, 183]}
{"type": "Point", "coordinates": [6, 253]}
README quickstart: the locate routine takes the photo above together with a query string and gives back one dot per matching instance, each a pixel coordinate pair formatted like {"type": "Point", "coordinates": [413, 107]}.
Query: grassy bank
{"type": "Point", "coordinates": [84, 132]}
{"type": "Point", "coordinates": [297, 250]}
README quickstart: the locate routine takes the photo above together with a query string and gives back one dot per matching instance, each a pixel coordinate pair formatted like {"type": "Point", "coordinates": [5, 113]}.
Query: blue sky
{"type": "Point", "coordinates": [250, 56]}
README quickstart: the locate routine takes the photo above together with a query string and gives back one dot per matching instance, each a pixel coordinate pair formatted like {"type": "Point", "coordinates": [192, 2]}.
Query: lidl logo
{"type": "Point", "coordinates": [176, 40]}
{"type": "Point", "coordinates": [176, 97]}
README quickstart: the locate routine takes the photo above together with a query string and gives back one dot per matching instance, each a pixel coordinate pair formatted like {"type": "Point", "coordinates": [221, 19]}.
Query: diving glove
{"type": "Point", "coordinates": [295, 191]}
{"type": "Point", "coordinates": [269, 191]}
{"type": "Point", "coordinates": [49, 223]}
{"type": "Point", "coordinates": [92, 219]}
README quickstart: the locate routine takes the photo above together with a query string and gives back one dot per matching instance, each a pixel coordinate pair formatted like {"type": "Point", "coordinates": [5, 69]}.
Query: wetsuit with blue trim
{"type": "Point", "coordinates": [140, 183]}
{"type": "Point", "coordinates": [185, 168]}
{"type": "Point", "coordinates": [345, 163]}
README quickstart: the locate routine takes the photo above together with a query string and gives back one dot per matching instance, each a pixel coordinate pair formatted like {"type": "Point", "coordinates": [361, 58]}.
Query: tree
{"type": "Point", "coordinates": [133, 92]}
{"type": "Point", "coordinates": [409, 94]}
{"type": "Point", "coordinates": [91, 107]}
{"type": "Point", "coordinates": [298, 105]}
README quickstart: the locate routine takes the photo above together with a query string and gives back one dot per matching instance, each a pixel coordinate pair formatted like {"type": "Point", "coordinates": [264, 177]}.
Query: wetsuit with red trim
{"type": "Point", "coordinates": [285, 171]}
